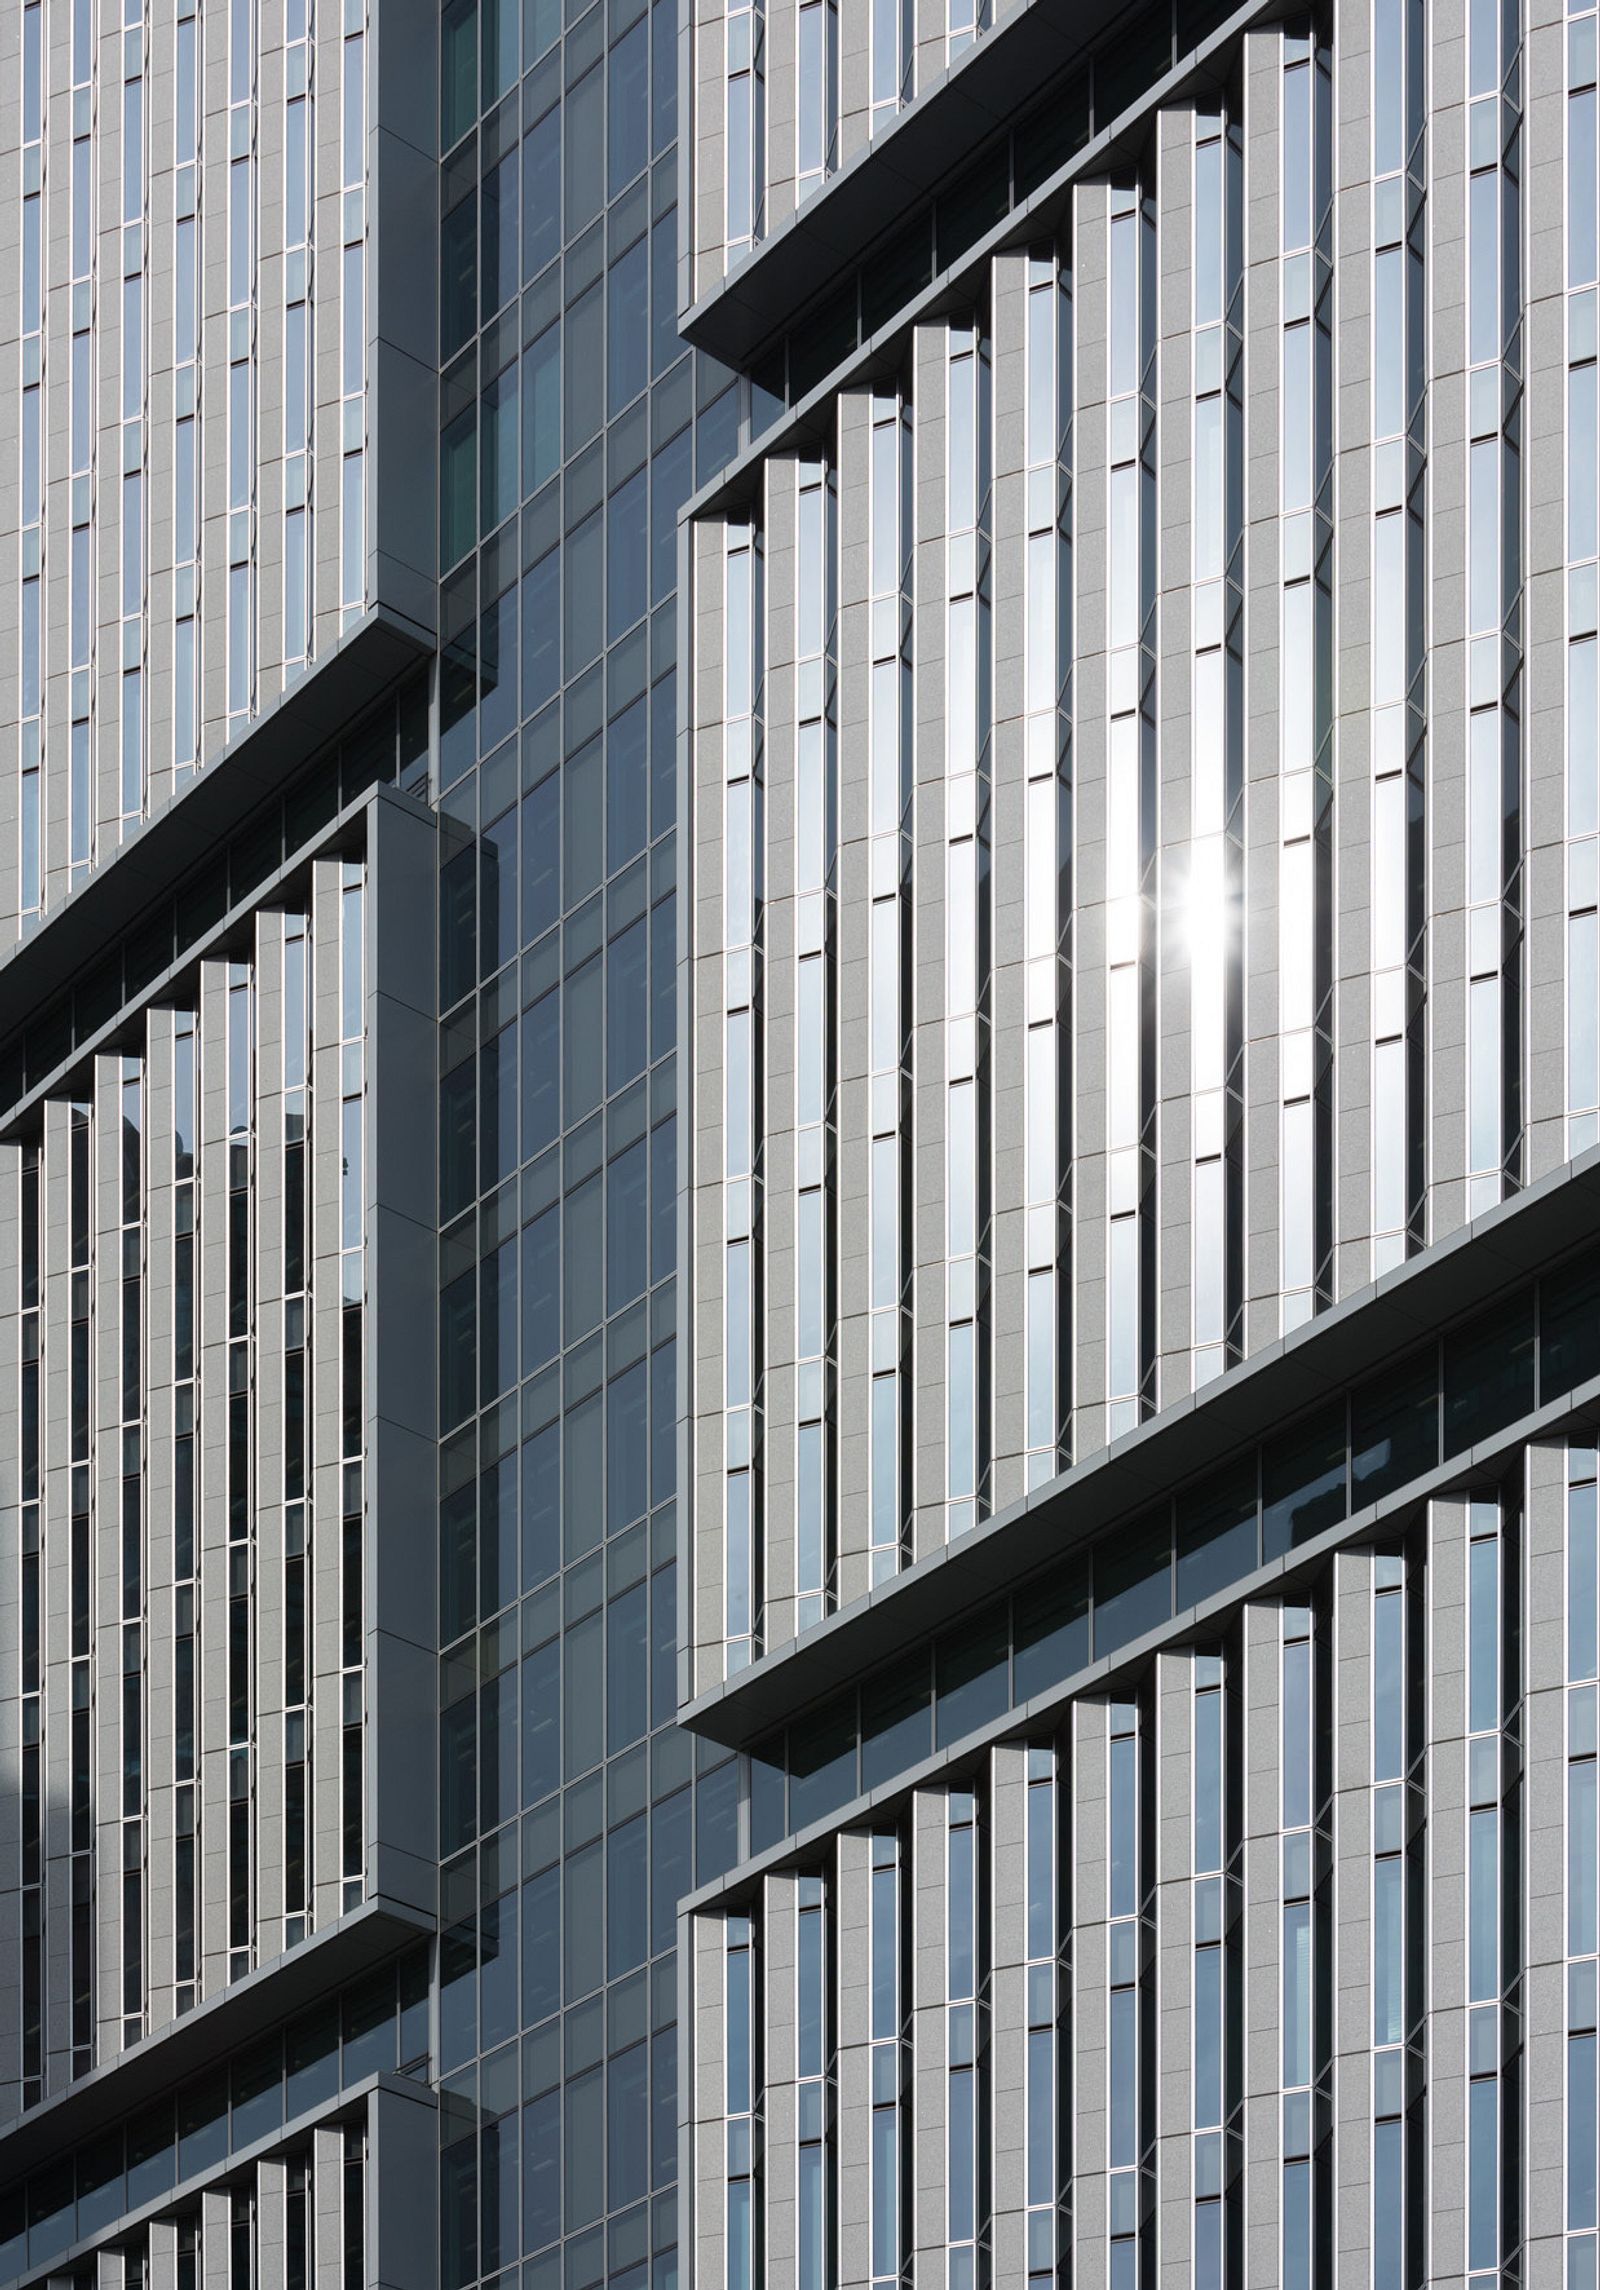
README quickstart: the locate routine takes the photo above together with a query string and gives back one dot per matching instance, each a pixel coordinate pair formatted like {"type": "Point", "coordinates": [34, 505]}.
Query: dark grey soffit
{"type": "Point", "coordinates": [946, 125]}
{"type": "Point", "coordinates": [1457, 1278]}
{"type": "Point", "coordinates": [365, 663]}
{"type": "Point", "coordinates": [160, 2063]}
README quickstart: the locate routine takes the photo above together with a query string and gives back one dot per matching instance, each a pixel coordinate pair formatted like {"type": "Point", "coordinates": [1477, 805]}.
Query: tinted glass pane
{"type": "Point", "coordinates": [1394, 1429]}
{"type": "Point", "coordinates": [973, 1669]}
{"type": "Point", "coordinates": [100, 2195]}
{"type": "Point", "coordinates": [768, 1792]}
{"type": "Point", "coordinates": [670, 1874]}
{"type": "Point", "coordinates": [822, 1762]}
{"type": "Point", "coordinates": [1488, 1373]}
{"type": "Point", "coordinates": [1052, 1631]}
{"type": "Point", "coordinates": [1217, 1532]}
{"type": "Point", "coordinates": [716, 1821]}
{"type": "Point", "coordinates": [895, 1730]}
{"type": "Point", "coordinates": [541, 2171]}
{"type": "Point", "coordinates": [152, 2154]}
{"type": "Point", "coordinates": [1132, 1584]}
{"type": "Point", "coordinates": [541, 1723]}
{"type": "Point", "coordinates": [203, 2126]}
{"type": "Point", "coordinates": [541, 1944]}
{"type": "Point", "coordinates": [1569, 1327]}
{"type": "Point", "coordinates": [627, 1898]}
{"type": "Point", "coordinates": [1303, 1482]}
{"type": "Point", "coordinates": [369, 2028]}
{"type": "Point", "coordinates": [312, 2048]}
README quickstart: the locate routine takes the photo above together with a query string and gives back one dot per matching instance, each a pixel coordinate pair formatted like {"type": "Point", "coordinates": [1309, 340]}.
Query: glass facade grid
{"type": "Point", "coordinates": [572, 1813]}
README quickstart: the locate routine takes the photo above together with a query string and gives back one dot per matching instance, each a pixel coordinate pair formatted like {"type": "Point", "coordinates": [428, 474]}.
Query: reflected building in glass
{"type": "Point", "coordinates": [1140, 1283]}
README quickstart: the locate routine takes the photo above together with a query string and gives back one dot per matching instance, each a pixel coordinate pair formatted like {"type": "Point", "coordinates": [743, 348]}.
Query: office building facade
{"type": "Point", "coordinates": [1139, 1458]}
{"type": "Point", "coordinates": [344, 439]}
{"type": "Point", "coordinates": [938, 1120]}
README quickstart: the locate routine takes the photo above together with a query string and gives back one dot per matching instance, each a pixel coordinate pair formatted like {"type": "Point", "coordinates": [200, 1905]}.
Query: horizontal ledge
{"type": "Point", "coordinates": [1447, 1283]}
{"type": "Point", "coordinates": [978, 98]}
{"type": "Point", "coordinates": [161, 2062]}
{"type": "Point", "coordinates": [1044, 1710]}
{"type": "Point", "coordinates": [257, 766]}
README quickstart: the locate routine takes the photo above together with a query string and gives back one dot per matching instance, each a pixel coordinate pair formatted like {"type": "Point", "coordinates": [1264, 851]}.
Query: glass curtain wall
{"type": "Point", "coordinates": [573, 425]}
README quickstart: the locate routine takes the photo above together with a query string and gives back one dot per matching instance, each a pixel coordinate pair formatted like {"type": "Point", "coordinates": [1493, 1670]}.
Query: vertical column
{"type": "Point", "coordinates": [816, 1224]}
{"type": "Point", "coordinates": [353, 1338]}
{"type": "Point", "coordinates": [966, 2044]}
{"type": "Point", "coordinates": [889, 982]}
{"type": "Point", "coordinates": [272, 2188]}
{"type": "Point", "coordinates": [1305, 955]}
{"type": "Point", "coordinates": [185, 1503]}
{"type": "Point", "coordinates": [131, 1173]}
{"type": "Point", "coordinates": [214, 2255]}
{"type": "Point", "coordinates": [1216, 864]}
{"type": "Point", "coordinates": [81, 1564]}
{"type": "Point", "coordinates": [814, 2074]}
{"type": "Point", "coordinates": [299, 397]}
{"type": "Point", "coordinates": [1130, 2097]}
{"type": "Point", "coordinates": [1130, 813]}
{"type": "Point", "coordinates": [1397, 2233]}
{"type": "Point", "coordinates": [240, 1320]}
{"type": "Point", "coordinates": [186, 370]}
{"type": "Point", "coordinates": [1582, 2159]}
{"type": "Point", "coordinates": [84, 437]}
{"type": "Point", "coordinates": [326, 2197]}
{"type": "Point", "coordinates": [967, 932]}
{"type": "Point", "coordinates": [297, 1421]}
{"type": "Point", "coordinates": [30, 637]}
{"type": "Point", "coordinates": [1047, 2178]}
{"type": "Point", "coordinates": [1583, 547]}
{"type": "Point", "coordinates": [744, 847]}
{"type": "Point", "coordinates": [1399, 432]}
{"type": "Point", "coordinates": [1306, 2216]}
{"type": "Point", "coordinates": [1211, 1921]}
{"type": "Point", "coordinates": [1047, 859]}
{"type": "Point", "coordinates": [30, 1488]}
{"type": "Point", "coordinates": [241, 278]}
{"type": "Point", "coordinates": [352, 307]}
{"type": "Point", "coordinates": [890, 2134]}
{"type": "Point", "coordinates": [742, 2068]}
{"type": "Point", "coordinates": [162, 2248]}
{"type": "Point", "coordinates": [744, 26]}
{"type": "Point", "coordinates": [134, 42]}
{"type": "Point", "coordinates": [1494, 583]}
{"type": "Point", "coordinates": [1494, 1890]}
